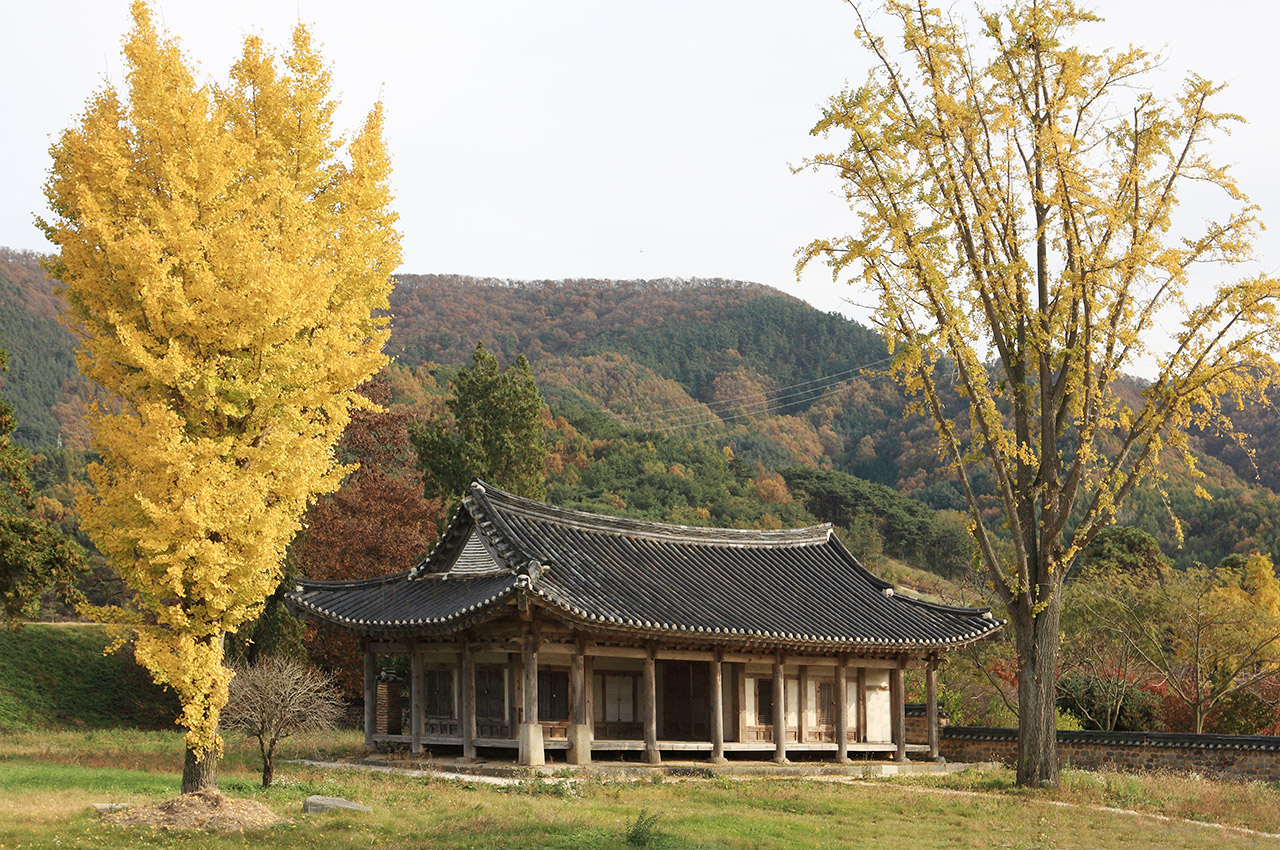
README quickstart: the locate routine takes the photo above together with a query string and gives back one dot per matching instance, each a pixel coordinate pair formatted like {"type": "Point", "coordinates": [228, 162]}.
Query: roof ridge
{"type": "Point", "coordinates": [308, 583]}
{"type": "Point", "coordinates": [487, 495]}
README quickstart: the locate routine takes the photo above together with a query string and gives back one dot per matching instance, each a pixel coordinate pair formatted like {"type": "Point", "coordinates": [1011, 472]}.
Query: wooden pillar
{"type": "Point", "coordinates": [467, 682]}
{"type": "Point", "coordinates": [589, 674]}
{"type": "Point", "coordinates": [649, 708]}
{"type": "Point", "coordinates": [862, 704]}
{"type": "Point", "coordinates": [779, 712]}
{"type": "Point", "coordinates": [842, 711]}
{"type": "Point", "coordinates": [802, 708]}
{"type": "Point", "coordinates": [370, 693]}
{"type": "Point", "coordinates": [740, 671]}
{"type": "Point", "coordinates": [417, 701]}
{"type": "Point", "coordinates": [717, 708]}
{"type": "Point", "coordinates": [579, 727]}
{"type": "Point", "coordinates": [531, 752]}
{"type": "Point", "coordinates": [898, 711]}
{"type": "Point", "coordinates": [931, 706]}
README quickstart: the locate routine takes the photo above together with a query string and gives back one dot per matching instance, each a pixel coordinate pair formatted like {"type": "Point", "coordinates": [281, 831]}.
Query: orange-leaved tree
{"type": "Point", "coordinates": [222, 254]}
{"type": "Point", "coordinates": [1017, 198]}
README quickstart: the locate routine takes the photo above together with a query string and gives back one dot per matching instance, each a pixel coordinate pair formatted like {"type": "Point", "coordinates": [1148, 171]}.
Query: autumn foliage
{"type": "Point", "coordinates": [222, 254]}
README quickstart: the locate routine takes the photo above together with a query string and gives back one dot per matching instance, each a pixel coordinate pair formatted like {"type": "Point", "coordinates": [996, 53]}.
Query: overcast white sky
{"type": "Point", "coordinates": [591, 139]}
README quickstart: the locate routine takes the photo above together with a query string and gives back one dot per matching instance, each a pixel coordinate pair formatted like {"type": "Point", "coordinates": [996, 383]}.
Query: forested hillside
{"type": "Point", "coordinates": [701, 401]}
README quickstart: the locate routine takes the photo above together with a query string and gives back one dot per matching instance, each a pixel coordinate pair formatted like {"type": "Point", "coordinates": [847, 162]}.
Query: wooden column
{"type": "Point", "coordinates": [717, 708]}
{"type": "Point", "coordinates": [589, 674]}
{"type": "Point", "coordinates": [842, 712]}
{"type": "Point", "coordinates": [862, 704]}
{"type": "Point", "coordinates": [898, 711]}
{"type": "Point", "coordinates": [417, 701]}
{"type": "Point", "coordinates": [579, 727]}
{"type": "Point", "coordinates": [531, 752]}
{"type": "Point", "coordinates": [649, 708]}
{"type": "Point", "coordinates": [802, 708]}
{"type": "Point", "coordinates": [931, 706]}
{"type": "Point", "coordinates": [529, 670]}
{"type": "Point", "coordinates": [467, 682]}
{"type": "Point", "coordinates": [370, 693]}
{"type": "Point", "coordinates": [779, 713]}
{"type": "Point", "coordinates": [740, 672]}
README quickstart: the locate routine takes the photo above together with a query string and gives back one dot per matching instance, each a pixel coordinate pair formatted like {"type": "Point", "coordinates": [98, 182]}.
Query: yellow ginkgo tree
{"type": "Point", "coordinates": [1020, 230]}
{"type": "Point", "coordinates": [223, 256]}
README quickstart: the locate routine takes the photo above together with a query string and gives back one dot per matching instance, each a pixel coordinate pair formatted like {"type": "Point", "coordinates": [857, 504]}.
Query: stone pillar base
{"type": "Point", "coordinates": [781, 760]}
{"type": "Point", "coordinates": [653, 756]}
{"type": "Point", "coordinates": [719, 760]}
{"type": "Point", "coordinates": [531, 752]}
{"type": "Point", "coordinates": [579, 743]}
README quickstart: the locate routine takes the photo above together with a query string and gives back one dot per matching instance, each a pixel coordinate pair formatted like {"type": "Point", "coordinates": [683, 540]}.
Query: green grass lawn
{"type": "Point", "coordinates": [56, 676]}
{"type": "Point", "coordinates": [48, 781]}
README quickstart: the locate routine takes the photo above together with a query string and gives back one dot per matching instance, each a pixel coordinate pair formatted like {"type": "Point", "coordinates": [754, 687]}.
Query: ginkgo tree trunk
{"type": "Point", "coordinates": [222, 255]}
{"type": "Point", "coordinates": [1017, 197]}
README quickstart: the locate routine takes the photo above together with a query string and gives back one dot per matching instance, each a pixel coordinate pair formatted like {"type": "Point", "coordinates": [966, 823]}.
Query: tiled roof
{"type": "Point", "coordinates": [727, 586]}
{"type": "Point", "coordinates": [1171, 740]}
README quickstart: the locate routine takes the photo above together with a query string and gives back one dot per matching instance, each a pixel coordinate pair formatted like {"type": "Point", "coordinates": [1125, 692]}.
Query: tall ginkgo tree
{"type": "Point", "coordinates": [1019, 227]}
{"type": "Point", "coordinates": [222, 255]}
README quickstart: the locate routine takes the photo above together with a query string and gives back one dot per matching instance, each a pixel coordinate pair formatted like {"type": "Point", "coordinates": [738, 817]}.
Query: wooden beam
{"type": "Point", "coordinates": [931, 706]}
{"type": "Point", "coordinates": [717, 709]}
{"type": "Point", "coordinates": [370, 694]}
{"type": "Point", "coordinates": [862, 705]}
{"type": "Point", "coordinates": [467, 676]}
{"type": "Point", "coordinates": [898, 709]}
{"type": "Point", "coordinates": [842, 714]}
{"type": "Point", "coordinates": [390, 648]}
{"type": "Point", "coordinates": [531, 749]}
{"type": "Point", "coordinates": [779, 712]}
{"type": "Point", "coordinates": [579, 731]}
{"type": "Point", "coordinates": [802, 709]}
{"type": "Point", "coordinates": [649, 709]}
{"type": "Point", "coordinates": [589, 673]}
{"type": "Point", "coordinates": [416, 701]}
{"type": "Point", "coordinates": [530, 669]}
{"type": "Point", "coordinates": [740, 671]}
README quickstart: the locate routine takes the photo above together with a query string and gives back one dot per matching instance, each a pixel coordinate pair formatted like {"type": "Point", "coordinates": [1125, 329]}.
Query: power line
{"type": "Point", "coordinates": [726, 401]}
{"type": "Point", "coordinates": [677, 418]}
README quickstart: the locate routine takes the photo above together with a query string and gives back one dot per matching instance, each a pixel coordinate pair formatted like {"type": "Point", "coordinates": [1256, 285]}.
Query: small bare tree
{"type": "Point", "coordinates": [276, 698]}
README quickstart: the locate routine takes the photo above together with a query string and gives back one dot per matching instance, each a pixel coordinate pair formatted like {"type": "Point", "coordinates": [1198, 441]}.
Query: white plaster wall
{"type": "Point", "coordinates": [728, 696]}
{"type": "Point", "coordinates": [793, 703]}
{"type": "Point", "coordinates": [811, 704]}
{"type": "Point", "coordinates": [879, 720]}
{"type": "Point", "coordinates": [851, 688]}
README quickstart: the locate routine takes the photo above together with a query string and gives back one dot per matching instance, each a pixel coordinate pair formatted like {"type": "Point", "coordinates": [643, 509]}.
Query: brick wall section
{"type": "Point", "coordinates": [1240, 757]}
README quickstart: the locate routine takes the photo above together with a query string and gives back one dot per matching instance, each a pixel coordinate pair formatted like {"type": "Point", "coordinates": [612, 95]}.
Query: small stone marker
{"type": "Point", "coordinates": [108, 808]}
{"type": "Point", "coordinates": [318, 803]}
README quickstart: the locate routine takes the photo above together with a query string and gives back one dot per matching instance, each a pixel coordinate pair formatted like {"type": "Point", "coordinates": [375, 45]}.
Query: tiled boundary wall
{"type": "Point", "coordinates": [1242, 757]}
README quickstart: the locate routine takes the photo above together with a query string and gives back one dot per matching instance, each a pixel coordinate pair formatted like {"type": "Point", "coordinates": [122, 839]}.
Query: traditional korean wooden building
{"type": "Point", "coordinates": [534, 628]}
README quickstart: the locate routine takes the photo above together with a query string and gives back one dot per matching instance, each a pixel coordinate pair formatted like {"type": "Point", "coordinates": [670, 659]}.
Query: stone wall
{"type": "Point", "coordinates": [918, 722]}
{"type": "Point", "coordinates": [1242, 757]}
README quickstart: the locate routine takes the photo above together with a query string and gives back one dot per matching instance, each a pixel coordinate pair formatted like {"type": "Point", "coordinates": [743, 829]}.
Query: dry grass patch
{"type": "Point", "coordinates": [1248, 805]}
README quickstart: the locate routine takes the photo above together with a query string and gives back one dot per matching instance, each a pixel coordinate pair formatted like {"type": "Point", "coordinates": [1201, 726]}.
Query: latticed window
{"type": "Point", "coordinates": [491, 693]}
{"type": "Point", "coordinates": [439, 688]}
{"type": "Point", "coordinates": [826, 703]}
{"type": "Point", "coordinates": [764, 702]}
{"type": "Point", "coordinates": [553, 695]}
